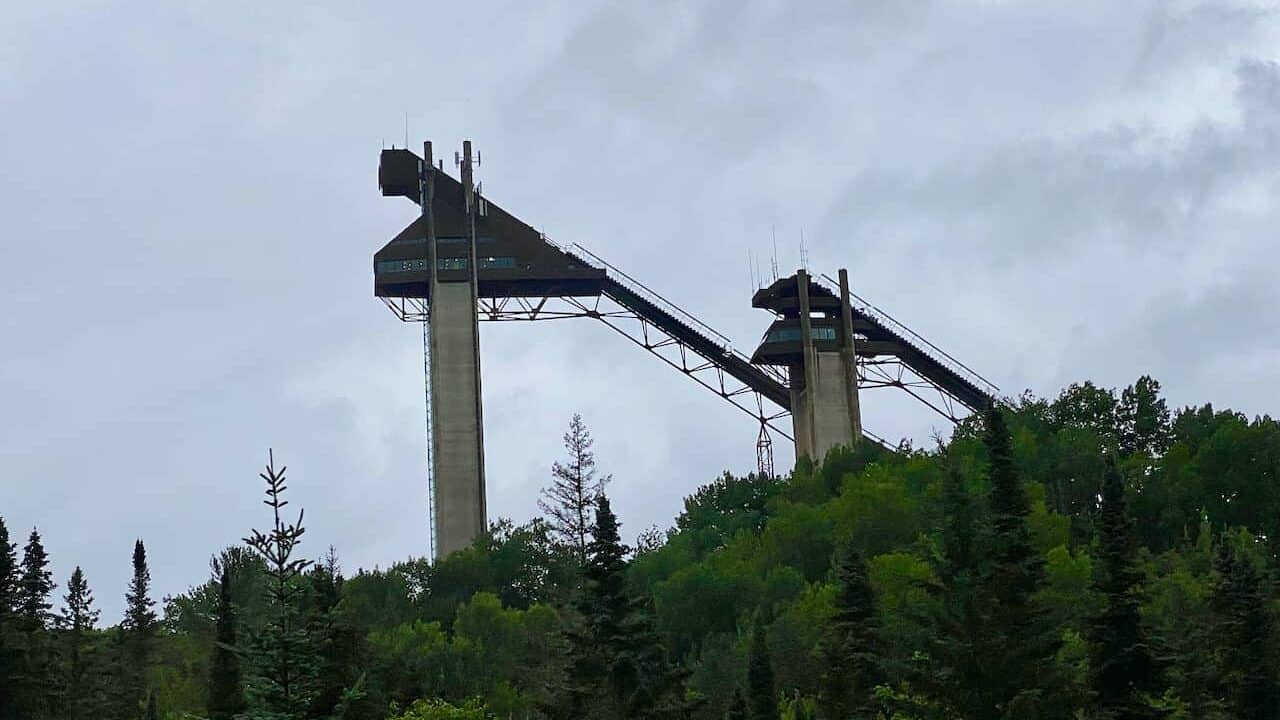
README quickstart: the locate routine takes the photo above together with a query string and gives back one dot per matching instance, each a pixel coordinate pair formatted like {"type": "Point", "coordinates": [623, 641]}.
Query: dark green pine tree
{"type": "Point", "coordinates": [153, 712]}
{"type": "Point", "coordinates": [226, 687]}
{"type": "Point", "coordinates": [337, 641]}
{"type": "Point", "coordinates": [737, 707]}
{"type": "Point", "coordinates": [83, 690]}
{"type": "Point", "coordinates": [762, 694]}
{"type": "Point", "coordinates": [137, 638]}
{"type": "Point", "coordinates": [952, 677]}
{"type": "Point", "coordinates": [9, 655]}
{"type": "Point", "coordinates": [35, 586]}
{"type": "Point", "coordinates": [1246, 672]}
{"type": "Point", "coordinates": [36, 679]}
{"type": "Point", "coordinates": [1121, 663]}
{"type": "Point", "coordinates": [1015, 642]}
{"type": "Point", "coordinates": [618, 667]}
{"type": "Point", "coordinates": [851, 650]}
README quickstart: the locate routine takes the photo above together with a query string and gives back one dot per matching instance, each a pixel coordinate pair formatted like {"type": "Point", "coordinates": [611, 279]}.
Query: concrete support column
{"type": "Point", "coordinates": [850, 359]}
{"type": "Point", "coordinates": [457, 425]}
{"type": "Point", "coordinates": [825, 410]}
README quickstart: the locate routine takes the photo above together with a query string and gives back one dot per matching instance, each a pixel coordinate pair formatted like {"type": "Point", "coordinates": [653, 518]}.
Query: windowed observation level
{"type": "Point", "coordinates": [781, 342]}
{"type": "Point", "coordinates": [510, 257]}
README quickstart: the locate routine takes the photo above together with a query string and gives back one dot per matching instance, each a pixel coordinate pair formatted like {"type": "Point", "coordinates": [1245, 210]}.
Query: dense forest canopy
{"type": "Point", "coordinates": [1094, 555]}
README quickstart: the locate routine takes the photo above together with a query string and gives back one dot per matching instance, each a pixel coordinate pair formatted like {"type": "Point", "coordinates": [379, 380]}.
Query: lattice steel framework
{"type": "Point", "coordinates": [704, 370]}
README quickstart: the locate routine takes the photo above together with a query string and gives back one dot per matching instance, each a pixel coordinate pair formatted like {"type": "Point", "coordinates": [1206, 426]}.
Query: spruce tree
{"type": "Point", "coordinates": [618, 667]}
{"type": "Point", "coordinates": [336, 640]}
{"type": "Point", "coordinates": [35, 680]}
{"type": "Point", "coordinates": [35, 585]}
{"type": "Point", "coordinates": [1121, 662]}
{"type": "Point", "coordinates": [851, 651]}
{"type": "Point", "coordinates": [78, 619]}
{"type": "Point", "coordinates": [226, 688]}
{"type": "Point", "coordinates": [138, 631]}
{"type": "Point", "coordinates": [575, 489]}
{"type": "Point", "coordinates": [1014, 642]}
{"type": "Point", "coordinates": [953, 677]}
{"type": "Point", "coordinates": [1246, 671]}
{"type": "Point", "coordinates": [762, 695]}
{"type": "Point", "coordinates": [283, 679]}
{"type": "Point", "coordinates": [9, 654]}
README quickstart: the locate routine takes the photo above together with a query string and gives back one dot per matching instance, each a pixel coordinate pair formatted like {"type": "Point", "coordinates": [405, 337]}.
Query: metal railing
{"type": "Point", "coordinates": [939, 355]}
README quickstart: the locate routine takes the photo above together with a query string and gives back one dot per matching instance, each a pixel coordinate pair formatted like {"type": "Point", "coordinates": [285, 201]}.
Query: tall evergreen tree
{"type": "Point", "coordinates": [226, 687]}
{"type": "Point", "coordinates": [35, 585]}
{"type": "Point", "coordinates": [1016, 645]}
{"type": "Point", "coordinates": [78, 620]}
{"type": "Point", "coordinates": [851, 650]}
{"type": "Point", "coordinates": [283, 681]}
{"type": "Point", "coordinates": [36, 682]}
{"type": "Point", "coordinates": [1121, 663]}
{"type": "Point", "coordinates": [9, 655]}
{"type": "Point", "coordinates": [762, 694]}
{"type": "Point", "coordinates": [954, 676]}
{"type": "Point", "coordinates": [336, 640]}
{"type": "Point", "coordinates": [575, 489]}
{"type": "Point", "coordinates": [137, 637]}
{"type": "Point", "coordinates": [1246, 672]}
{"type": "Point", "coordinates": [153, 712]}
{"type": "Point", "coordinates": [618, 667]}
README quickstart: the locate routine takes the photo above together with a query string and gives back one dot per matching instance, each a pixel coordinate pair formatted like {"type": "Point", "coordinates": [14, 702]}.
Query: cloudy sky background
{"type": "Point", "coordinates": [188, 206]}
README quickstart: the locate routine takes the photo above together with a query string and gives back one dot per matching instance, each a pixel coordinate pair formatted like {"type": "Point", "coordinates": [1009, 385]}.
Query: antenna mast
{"type": "Point", "coordinates": [773, 231]}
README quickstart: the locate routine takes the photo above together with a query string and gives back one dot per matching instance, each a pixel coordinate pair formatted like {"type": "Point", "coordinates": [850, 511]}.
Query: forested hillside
{"type": "Point", "coordinates": [1090, 556]}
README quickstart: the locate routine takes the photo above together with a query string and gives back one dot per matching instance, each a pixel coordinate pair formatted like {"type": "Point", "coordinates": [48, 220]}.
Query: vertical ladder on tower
{"type": "Point", "coordinates": [431, 475]}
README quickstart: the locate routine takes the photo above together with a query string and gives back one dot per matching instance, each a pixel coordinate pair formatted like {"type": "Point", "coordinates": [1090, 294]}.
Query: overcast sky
{"type": "Point", "coordinates": [188, 209]}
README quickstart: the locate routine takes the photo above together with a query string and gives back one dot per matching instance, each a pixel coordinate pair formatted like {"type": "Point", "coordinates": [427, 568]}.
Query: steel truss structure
{"type": "Point", "coordinates": [882, 371]}
{"type": "Point", "coordinates": [704, 368]}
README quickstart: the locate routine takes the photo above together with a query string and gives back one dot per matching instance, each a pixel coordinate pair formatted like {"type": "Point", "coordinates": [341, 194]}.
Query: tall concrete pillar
{"type": "Point", "coordinates": [457, 428]}
{"type": "Point", "coordinates": [825, 410]}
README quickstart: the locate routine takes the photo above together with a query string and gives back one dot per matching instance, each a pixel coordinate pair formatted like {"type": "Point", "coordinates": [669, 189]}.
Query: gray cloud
{"type": "Point", "coordinates": [189, 208]}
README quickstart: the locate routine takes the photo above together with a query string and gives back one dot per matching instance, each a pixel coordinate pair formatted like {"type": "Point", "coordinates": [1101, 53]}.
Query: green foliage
{"type": "Point", "coordinates": [762, 693]}
{"type": "Point", "coordinates": [440, 710]}
{"type": "Point", "coordinates": [851, 648]}
{"type": "Point", "coordinates": [82, 678]}
{"type": "Point", "coordinates": [618, 667]}
{"type": "Point", "coordinates": [226, 685]}
{"type": "Point", "coordinates": [1243, 628]}
{"type": "Point", "coordinates": [9, 657]}
{"type": "Point", "coordinates": [283, 670]}
{"type": "Point", "coordinates": [1122, 669]}
{"type": "Point", "coordinates": [34, 681]}
{"type": "Point", "coordinates": [1015, 642]}
{"type": "Point", "coordinates": [1004, 584]}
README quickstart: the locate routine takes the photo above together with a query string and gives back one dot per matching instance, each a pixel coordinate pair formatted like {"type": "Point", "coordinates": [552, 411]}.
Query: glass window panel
{"type": "Point", "coordinates": [394, 266]}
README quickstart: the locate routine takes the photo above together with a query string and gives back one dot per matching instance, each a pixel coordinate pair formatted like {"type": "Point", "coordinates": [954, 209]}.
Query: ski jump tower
{"type": "Point", "coordinates": [464, 259]}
